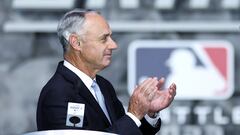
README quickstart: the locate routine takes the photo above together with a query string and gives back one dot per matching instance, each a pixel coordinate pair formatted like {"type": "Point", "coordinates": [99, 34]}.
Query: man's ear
{"type": "Point", "coordinates": [74, 41]}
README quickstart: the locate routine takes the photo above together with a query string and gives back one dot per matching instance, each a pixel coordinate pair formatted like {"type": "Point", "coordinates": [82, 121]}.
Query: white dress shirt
{"type": "Point", "coordinates": [85, 78]}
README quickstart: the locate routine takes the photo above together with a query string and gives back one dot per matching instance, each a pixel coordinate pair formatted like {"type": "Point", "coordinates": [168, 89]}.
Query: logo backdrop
{"type": "Point", "coordinates": [202, 70]}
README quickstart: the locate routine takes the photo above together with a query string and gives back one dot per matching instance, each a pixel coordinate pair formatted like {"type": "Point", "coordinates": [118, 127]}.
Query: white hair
{"type": "Point", "coordinates": [70, 23]}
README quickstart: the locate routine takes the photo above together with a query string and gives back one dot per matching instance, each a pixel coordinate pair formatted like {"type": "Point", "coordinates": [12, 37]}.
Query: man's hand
{"type": "Point", "coordinates": [143, 94]}
{"type": "Point", "coordinates": [162, 98]}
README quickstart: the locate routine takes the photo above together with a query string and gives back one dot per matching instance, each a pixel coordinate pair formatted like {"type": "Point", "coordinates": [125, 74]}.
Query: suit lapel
{"type": "Point", "coordinates": [87, 95]}
{"type": "Point", "coordinates": [82, 90]}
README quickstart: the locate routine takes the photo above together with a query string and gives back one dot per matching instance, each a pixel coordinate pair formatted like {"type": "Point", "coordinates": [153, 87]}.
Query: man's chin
{"type": "Point", "coordinates": [106, 64]}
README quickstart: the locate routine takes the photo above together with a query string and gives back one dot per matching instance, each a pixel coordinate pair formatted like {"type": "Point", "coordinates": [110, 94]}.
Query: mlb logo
{"type": "Point", "coordinates": [202, 70]}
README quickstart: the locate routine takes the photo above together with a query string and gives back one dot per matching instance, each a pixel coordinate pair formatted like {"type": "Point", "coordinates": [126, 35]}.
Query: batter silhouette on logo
{"type": "Point", "coordinates": [194, 81]}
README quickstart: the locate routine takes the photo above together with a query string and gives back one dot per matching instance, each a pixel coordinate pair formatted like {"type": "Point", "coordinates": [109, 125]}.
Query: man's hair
{"type": "Point", "coordinates": [71, 23]}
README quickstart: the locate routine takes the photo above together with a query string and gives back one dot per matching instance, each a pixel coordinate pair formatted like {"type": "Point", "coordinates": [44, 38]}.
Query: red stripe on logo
{"type": "Point", "coordinates": [218, 56]}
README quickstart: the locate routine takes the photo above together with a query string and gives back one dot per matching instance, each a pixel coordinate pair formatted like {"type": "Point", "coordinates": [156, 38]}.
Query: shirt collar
{"type": "Point", "coordinates": [84, 77]}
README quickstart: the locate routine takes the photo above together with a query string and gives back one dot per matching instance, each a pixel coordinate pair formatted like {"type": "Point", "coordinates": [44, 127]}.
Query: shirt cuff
{"type": "Point", "coordinates": [151, 121]}
{"type": "Point", "coordinates": [134, 118]}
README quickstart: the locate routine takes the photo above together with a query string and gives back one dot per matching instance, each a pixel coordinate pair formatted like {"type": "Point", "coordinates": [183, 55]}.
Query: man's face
{"type": "Point", "coordinates": [97, 44]}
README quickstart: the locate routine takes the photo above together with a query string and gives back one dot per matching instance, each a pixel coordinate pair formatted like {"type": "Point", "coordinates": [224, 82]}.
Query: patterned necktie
{"type": "Point", "coordinates": [100, 99]}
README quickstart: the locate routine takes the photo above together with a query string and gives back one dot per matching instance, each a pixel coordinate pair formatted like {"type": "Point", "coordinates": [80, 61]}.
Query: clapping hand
{"type": "Point", "coordinates": [162, 98]}
{"type": "Point", "coordinates": [149, 98]}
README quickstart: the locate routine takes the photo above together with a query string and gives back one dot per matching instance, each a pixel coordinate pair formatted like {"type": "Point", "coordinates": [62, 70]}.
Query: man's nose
{"type": "Point", "coordinates": [113, 45]}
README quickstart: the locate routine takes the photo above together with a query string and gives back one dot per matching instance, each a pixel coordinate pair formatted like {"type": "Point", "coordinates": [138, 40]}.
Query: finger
{"type": "Point", "coordinates": [173, 86]}
{"type": "Point", "coordinates": [152, 85]}
{"type": "Point", "coordinates": [142, 85]}
{"type": "Point", "coordinates": [171, 93]}
{"type": "Point", "coordinates": [150, 89]}
{"type": "Point", "coordinates": [161, 82]}
{"type": "Point", "coordinates": [173, 89]}
{"type": "Point", "coordinates": [152, 94]}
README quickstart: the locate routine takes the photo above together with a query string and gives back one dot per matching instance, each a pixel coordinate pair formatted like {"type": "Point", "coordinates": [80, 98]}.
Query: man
{"type": "Point", "coordinates": [77, 98]}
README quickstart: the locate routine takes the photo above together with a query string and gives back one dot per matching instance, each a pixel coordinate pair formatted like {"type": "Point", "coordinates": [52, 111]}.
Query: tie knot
{"type": "Point", "coordinates": [94, 84]}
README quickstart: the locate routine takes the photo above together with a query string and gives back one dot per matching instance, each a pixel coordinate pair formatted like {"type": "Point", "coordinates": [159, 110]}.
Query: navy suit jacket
{"type": "Point", "coordinates": [65, 86]}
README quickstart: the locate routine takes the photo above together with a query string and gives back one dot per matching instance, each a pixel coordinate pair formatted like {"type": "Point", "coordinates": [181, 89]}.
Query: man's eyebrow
{"type": "Point", "coordinates": [105, 35]}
